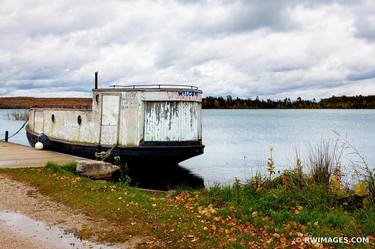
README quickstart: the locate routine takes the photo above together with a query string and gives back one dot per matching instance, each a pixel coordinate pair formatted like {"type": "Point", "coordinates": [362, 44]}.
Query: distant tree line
{"type": "Point", "coordinates": [30, 102]}
{"type": "Point", "coordinates": [343, 102]}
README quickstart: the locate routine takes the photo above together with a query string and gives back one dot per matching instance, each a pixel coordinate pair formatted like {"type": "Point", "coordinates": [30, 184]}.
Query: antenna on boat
{"type": "Point", "coordinates": [96, 80]}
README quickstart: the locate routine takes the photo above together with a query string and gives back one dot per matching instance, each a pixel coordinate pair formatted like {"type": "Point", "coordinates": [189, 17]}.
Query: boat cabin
{"type": "Point", "coordinates": [137, 122]}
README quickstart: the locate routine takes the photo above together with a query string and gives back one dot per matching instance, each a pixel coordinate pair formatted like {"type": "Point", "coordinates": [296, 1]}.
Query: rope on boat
{"type": "Point", "coordinates": [16, 131]}
{"type": "Point", "coordinates": [99, 155]}
{"type": "Point", "coordinates": [105, 154]}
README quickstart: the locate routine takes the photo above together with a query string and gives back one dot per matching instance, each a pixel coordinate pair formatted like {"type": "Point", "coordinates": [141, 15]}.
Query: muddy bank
{"type": "Point", "coordinates": [29, 218]}
{"type": "Point", "coordinates": [12, 240]}
{"type": "Point", "coordinates": [20, 226]}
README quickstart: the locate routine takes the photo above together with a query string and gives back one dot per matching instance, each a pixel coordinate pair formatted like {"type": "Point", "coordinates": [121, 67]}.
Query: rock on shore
{"type": "Point", "coordinates": [97, 170]}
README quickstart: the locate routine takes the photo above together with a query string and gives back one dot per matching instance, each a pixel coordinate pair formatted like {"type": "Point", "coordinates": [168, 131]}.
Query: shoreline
{"type": "Point", "coordinates": [365, 103]}
{"type": "Point", "coordinates": [264, 213]}
{"type": "Point", "coordinates": [24, 199]}
{"type": "Point", "coordinates": [31, 102]}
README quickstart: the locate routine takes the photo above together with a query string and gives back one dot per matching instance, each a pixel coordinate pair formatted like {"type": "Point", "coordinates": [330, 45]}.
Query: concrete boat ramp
{"type": "Point", "coordinates": [20, 156]}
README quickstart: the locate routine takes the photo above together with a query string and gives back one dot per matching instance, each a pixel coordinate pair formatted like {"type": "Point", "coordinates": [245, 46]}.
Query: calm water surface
{"type": "Point", "coordinates": [8, 123]}
{"type": "Point", "coordinates": [238, 141]}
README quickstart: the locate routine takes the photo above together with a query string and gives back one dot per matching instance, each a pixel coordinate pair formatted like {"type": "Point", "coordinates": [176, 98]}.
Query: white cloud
{"type": "Point", "coordinates": [243, 48]}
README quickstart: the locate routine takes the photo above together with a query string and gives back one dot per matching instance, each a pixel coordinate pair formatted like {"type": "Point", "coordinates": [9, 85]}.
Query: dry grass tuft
{"type": "Point", "coordinates": [323, 159]}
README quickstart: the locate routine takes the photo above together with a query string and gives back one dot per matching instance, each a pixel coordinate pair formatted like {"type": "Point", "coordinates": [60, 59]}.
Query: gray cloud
{"type": "Point", "coordinates": [241, 16]}
{"type": "Point", "coordinates": [243, 48]}
{"type": "Point", "coordinates": [361, 76]}
{"type": "Point", "coordinates": [364, 21]}
{"type": "Point", "coordinates": [366, 28]}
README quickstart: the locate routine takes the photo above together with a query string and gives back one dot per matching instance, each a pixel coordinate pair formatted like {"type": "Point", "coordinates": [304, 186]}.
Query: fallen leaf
{"type": "Point", "coordinates": [217, 218]}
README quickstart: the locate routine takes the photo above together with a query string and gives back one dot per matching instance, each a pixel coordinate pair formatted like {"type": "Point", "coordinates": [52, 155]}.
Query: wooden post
{"type": "Point", "coordinates": [96, 80]}
{"type": "Point", "coordinates": [6, 136]}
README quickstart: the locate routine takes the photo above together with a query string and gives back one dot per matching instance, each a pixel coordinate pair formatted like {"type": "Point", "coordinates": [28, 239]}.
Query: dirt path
{"type": "Point", "coordinates": [20, 198]}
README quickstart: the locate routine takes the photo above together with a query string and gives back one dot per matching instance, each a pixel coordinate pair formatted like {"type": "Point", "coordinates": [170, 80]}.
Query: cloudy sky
{"type": "Point", "coordinates": [243, 48]}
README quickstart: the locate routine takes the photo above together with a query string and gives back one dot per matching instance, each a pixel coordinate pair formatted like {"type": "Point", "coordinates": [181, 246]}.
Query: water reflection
{"type": "Point", "coordinates": [162, 177]}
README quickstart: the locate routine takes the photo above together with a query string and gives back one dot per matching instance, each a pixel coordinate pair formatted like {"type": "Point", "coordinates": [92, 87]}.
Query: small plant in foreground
{"type": "Point", "coordinates": [323, 159]}
{"type": "Point", "coordinates": [370, 180]}
{"type": "Point", "coordinates": [53, 167]}
{"type": "Point", "coordinates": [270, 164]}
{"type": "Point", "coordinates": [294, 179]}
{"type": "Point", "coordinates": [368, 175]}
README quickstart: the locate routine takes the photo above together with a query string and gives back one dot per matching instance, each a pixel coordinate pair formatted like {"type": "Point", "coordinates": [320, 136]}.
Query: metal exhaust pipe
{"type": "Point", "coordinates": [96, 80]}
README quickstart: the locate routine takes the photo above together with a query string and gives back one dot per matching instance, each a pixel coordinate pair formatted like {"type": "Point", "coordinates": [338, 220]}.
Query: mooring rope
{"type": "Point", "coordinates": [105, 154]}
{"type": "Point", "coordinates": [16, 131]}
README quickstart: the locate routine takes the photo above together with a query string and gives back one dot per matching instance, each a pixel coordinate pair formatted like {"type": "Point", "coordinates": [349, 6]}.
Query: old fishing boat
{"type": "Point", "coordinates": [158, 123]}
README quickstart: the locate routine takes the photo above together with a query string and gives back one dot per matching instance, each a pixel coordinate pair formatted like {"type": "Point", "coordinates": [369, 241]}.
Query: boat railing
{"type": "Point", "coordinates": [155, 86]}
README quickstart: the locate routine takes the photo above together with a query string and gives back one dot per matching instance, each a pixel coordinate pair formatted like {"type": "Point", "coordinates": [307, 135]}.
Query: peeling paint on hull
{"type": "Point", "coordinates": [171, 121]}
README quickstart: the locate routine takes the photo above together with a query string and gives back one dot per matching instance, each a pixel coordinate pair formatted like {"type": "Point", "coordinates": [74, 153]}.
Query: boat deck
{"type": "Point", "coordinates": [20, 156]}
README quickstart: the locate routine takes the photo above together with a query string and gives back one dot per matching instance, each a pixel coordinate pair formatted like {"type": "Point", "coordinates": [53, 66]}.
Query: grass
{"type": "Point", "coordinates": [264, 213]}
{"type": "Point", "coordinates": [52, 167]}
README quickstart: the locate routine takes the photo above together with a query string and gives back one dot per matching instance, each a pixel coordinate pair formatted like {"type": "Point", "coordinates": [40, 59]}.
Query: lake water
{"type": "Point", "coordinates": [238, 141]}
{"type": "Point", "coordinates": [9, 123]}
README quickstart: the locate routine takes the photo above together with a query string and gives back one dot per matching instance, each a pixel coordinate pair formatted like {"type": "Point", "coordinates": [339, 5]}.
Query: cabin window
{"type": "Point", "coordinates": [79, 120]}
{"type": "Point", "coordinates": [97, 98]}
{"type": "Point", "coordinates": [53, 118]}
